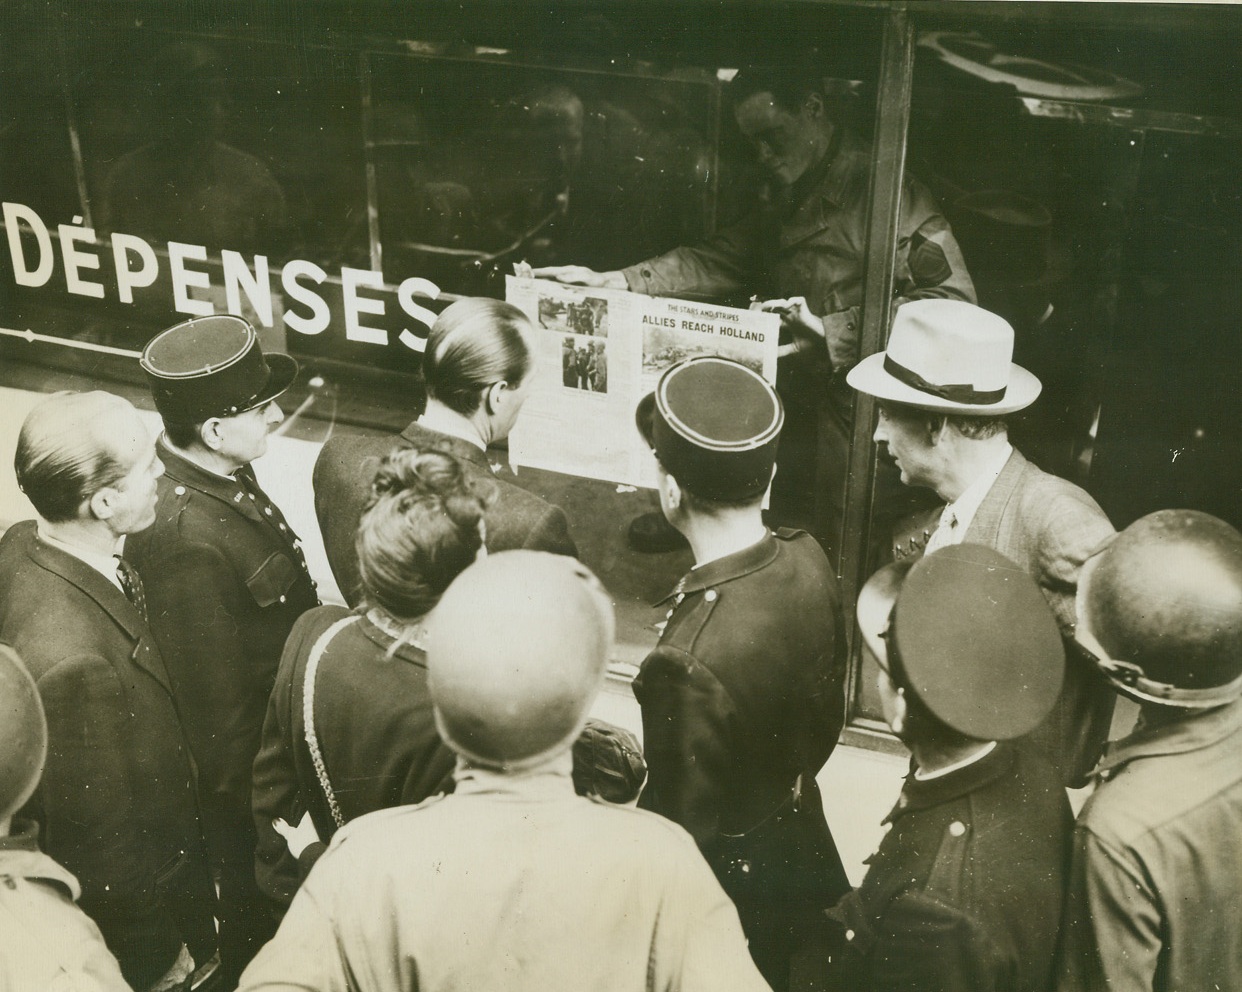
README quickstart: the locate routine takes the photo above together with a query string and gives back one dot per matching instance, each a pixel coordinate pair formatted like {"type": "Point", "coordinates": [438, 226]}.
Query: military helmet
{"type": "Point", "coordinates": [516, 653]}
{"type": "Point", "coordinates": [1160, 608]}
{"type": "Point", "coordinates": [23, 733]}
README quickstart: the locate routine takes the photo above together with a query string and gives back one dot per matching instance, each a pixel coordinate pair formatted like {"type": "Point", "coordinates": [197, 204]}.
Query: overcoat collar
{"type": "Point", "coordinates": [424, 437]}
{"type": "Point", "coordinates": [109, 598]}
{"type": "Point", "coordinates": [918, 795]}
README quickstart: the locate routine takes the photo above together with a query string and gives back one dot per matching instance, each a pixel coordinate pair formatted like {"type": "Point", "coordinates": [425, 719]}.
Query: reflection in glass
{"type": "Point", "coordinates": [187, 184]}
{"type": "Point", "coordinates": [482, 165]}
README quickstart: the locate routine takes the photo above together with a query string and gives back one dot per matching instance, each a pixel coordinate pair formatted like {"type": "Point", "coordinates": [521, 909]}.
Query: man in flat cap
{"type": "Point", "coordinates": [945, 385]}
{"type": "Point", "coordinates": [742, 699]}
{"type": "Point", "coordinates": [513, 881]}
{"type": "Point", "coordinates": [1153, 896]}
{"type": "Point", "coordinates": [966, 888]}
{"type": "Point", "coordinates": [116, 804]}
{"type": "Point", "coordinates": [225, 580]}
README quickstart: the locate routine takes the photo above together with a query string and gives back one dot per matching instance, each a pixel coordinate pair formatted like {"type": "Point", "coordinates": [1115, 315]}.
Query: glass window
{"type": "Point", "coordinates": [1091, 171]}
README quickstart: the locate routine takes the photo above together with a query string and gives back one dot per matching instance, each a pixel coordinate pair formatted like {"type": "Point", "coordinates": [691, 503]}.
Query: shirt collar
{"type": "Point", "coordinates": [551, 779]}
{"type": "Point", "coordinates": [23, 836]}
{"type": "Point", "coordinates": [104, 564]}
{"type": "Point", "coordinates": [1193, 732]}
{"type": "Point", "coordinates": [979, 755]}
{"type": "Point", "coordinates": [967, 504]}
{"type": "Point", "coordinates": [454, 425]}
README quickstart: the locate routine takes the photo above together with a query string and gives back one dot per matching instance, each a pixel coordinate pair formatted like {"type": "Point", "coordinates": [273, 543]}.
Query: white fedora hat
{"type": "Point", "coordinates": [951, 356]}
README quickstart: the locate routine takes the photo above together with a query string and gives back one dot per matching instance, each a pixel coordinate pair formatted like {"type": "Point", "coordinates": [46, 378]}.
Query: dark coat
{"type": "Point", "coordinates": [965, 891]}
{"type": "Point", "coordinates": [116, 803]}
{"type": "Point", "coordinates": [376, 731]}
{"type": "Point", "coordinates": [742, 698]}
{"type": "Point", "coordinates": [225, 583]}
{"type": "Point", "coordinates": [347, 465]}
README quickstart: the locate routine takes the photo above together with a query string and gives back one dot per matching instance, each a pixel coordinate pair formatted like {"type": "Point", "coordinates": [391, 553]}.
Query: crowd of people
{"type": "Point", "coordinates": [211, 780]}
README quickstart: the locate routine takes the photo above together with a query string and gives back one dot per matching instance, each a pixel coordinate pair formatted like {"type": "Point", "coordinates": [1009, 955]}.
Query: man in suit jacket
{"type": "Point", "coordinates": [743, 698]}
{"type": "Point", "coordinates": [945, 385]}
{"type": "Point", "coordinates": [225, 580]}
{"type": "Point", "coordinates": [116, 805]}
{"type": "Point", "coordinates": [477, 371]}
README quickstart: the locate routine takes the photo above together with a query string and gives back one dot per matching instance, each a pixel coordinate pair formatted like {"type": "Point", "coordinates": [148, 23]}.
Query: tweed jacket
{"type": "Point", "coordinates": [965, 891]}
{"type": "Point", "coordinates": [347, 465]}
{"type": "Point", "coordinates": [225, 581]}
{"type": "Point", "coordinates": [116, 804]}
{"type": "Point", "coordinates": [1050, 527]}
{"type": "Point", "coordinates": [742, 702]}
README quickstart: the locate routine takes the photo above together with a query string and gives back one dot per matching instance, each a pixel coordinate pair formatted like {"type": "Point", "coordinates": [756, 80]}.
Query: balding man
{"type": "Point", "coordinates": [1153, 900]}
{"type": "Point", "coordinates": [116, 805]}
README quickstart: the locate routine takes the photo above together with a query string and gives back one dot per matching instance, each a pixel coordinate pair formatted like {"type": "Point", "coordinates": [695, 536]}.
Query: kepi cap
{"type": "Point", "coordinates": [714, 424]}
{"type": "Point", "coordinates": [970, 635]}
{"type": "Point", "coordinates": [212, 367]}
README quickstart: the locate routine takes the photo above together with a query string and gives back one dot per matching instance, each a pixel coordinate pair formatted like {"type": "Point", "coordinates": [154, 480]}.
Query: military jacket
{"type": "Point", "coordinates": [742, 701]}
{"type": "Point", "coordinates": [966, 888]}
{"type": "Point", "coordinates": [225, 579]}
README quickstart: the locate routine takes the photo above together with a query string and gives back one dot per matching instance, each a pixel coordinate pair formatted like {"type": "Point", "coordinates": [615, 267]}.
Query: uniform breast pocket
{"type": "Point", "coordinates": [272, 580]}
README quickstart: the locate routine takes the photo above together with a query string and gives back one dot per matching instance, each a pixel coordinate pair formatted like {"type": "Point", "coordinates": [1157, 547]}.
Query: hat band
{"type": "Point", "coordinates": [954, 392]}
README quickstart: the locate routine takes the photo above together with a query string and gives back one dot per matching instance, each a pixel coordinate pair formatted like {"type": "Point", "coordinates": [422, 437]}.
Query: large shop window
{"type": "Point", "coordinates": [1091, 171]}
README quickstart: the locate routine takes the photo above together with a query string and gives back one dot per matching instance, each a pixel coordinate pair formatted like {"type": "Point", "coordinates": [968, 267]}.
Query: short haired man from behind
{"type": "Point", "coordinates": [513, 881]}
{"type": "Point", "coordinates": [1154, 885]}
{"type": "Point", "coordinates": [743, 697]}
{"type": "Point", "coordinates": [478, 369]}
{"type": "Point", "coordinates": [945, 385]}
{"type": "Point", "coordinates": [46, 942]}
{"type": "Point", "coordinates": [116, 804]}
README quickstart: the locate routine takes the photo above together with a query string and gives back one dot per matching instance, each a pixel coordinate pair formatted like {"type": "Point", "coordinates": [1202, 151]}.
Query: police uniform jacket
{"type": "Point", "coordinates": [742, 702]}
{"type": "Point", "coordinates": [346, 468]}
{"type": "Point", "coordinates": [116, 803]}
{"type": "Point", "coordinates": [966, 888]}
{"type": "Point", "coordinates": [225, 581]}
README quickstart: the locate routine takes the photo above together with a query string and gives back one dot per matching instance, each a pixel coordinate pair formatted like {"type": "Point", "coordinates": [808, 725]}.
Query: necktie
{"type": "Point", "coordinates": [131, 583]}
{"type": "Point", "coordinates": [945, 533]}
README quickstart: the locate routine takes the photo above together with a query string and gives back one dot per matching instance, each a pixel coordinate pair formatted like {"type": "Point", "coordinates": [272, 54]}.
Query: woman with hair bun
{"type": "Point", "coordinates": [477, 370]}
{"type": "Point", "coordinates": [349, 727]}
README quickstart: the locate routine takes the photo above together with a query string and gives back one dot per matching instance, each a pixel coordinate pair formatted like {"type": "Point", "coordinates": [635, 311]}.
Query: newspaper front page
{"type": "Point", "coordinates": [597, 353]}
